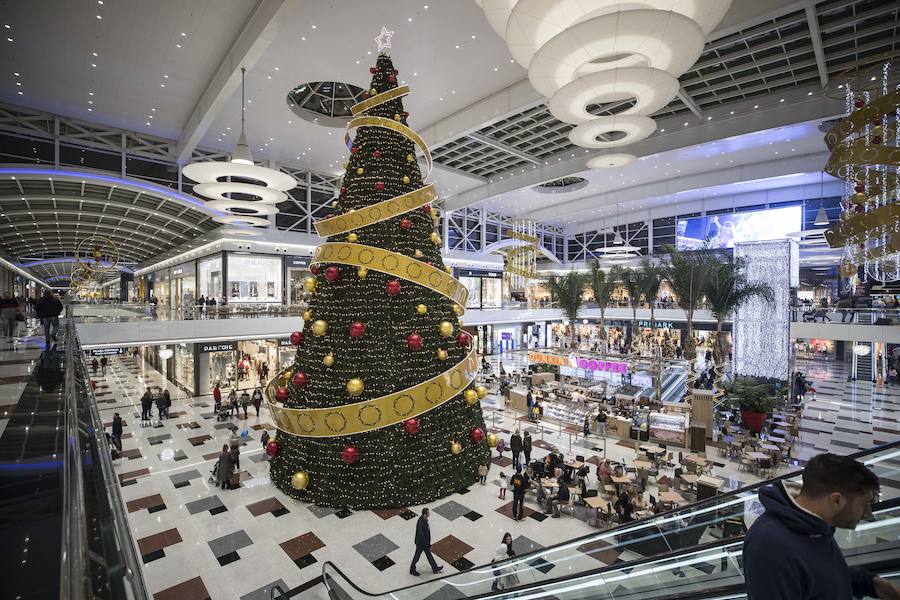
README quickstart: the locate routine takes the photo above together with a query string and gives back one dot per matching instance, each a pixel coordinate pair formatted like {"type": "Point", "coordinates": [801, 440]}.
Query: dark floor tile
{"type": "Point", "coordinates": [541, 565]}
{"type": "Point", "coordinates": [462, 564]}
{"type": "Point", "coordinates": [151, 556]}
{"type": "Point", "coordinates": [181, 484]}
{"type": "Point", "coordinates": [156, 508]}
{"type": "Point", "coordinates": [305, 561]}
{"type": "Point", "coordinates": [383, 563]}
{"type": "Point", "coordinates": [280, 512]}
{"type": "Point", "coordinates": [538, 516]}
{"type": "Point", "coordinates": [472, 515]}
{"type": "Point", "coordinates": [218, 509]}
{"type": "Point", "coordinates": [408, 514]}
{"type": "Point", "coordinates": [228, 558]}
{"type": "Point", "coordinates": [343, 513]}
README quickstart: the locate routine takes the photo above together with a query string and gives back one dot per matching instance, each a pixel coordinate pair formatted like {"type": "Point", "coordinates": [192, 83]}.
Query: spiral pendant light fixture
{"type": "Point", "coordinates": [581, 53]}
{"type": "Point", "coordinates": [245, 192]}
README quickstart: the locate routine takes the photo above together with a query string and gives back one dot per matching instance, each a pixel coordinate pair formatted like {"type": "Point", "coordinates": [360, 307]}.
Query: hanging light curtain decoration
{"type": "Point", "coordinates": [521, 259]}
{"type": "Point", "coordinates": [580, 53]}
{"type": "Point", "coordinates": [245, 192]}
{"type": "Point", "coordinates": [865, 153]}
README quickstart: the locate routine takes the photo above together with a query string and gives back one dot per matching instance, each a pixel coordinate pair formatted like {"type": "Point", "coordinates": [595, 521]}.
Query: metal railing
{"type": "Point", "coordinates": [105, 563]}
{"type": "Point", "coordinates": [126, 312]}
{"type": "Point", "coordinates": [846, 316]}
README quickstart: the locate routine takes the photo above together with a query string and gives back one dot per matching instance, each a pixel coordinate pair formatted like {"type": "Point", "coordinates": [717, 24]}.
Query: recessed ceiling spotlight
{"type": "Point", "coordinates": [781, 100]}
{"type": "Point", "coordinates": [94, 53]}
{"type": "Point", "coordinates": [183, 34]}
{"type": "Point", "coordinates": [178, 45]}
{"type": "Point", "coordinates": [756, 106]}
{"type": "Point", "coordinates": [9, 39]}
{"type": "Point", "coordinates": [162, 85]}
{"type": "Point", "coordinates": [709, 118]}
{"type": "Point", "coordinates": [685, 124]}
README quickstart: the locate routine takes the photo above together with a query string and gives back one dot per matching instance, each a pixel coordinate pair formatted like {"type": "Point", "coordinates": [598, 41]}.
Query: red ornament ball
{"type": "Point", "coordinates": [876, 139]}
{"type": "Point", "coordinates": [860, 188]}
{"type": "Point", "coordinates": [372, 70]}
{"type": "Point", "coordinates": [281, 394]}
{"type": "Point", "coordinates": [297, 338]}
{"type": "Point", "coordinates": [379, 185]}
{"type": "Point", "coordinates": [343, 190]}
{"type": "Point", "coordinates": [405, 224]}
{"type": "Point", "coordinates": [392, 288]}
{"type": "Point", "coordinates": [427, 209]}
{"type": "Point", "coordinates": [411, 426]}
{"type": "Point", "coordinates": [272, 448]}
{"type": "Point", "coordinates": [462, 339]}
{"type": "Point", "coordinates": [357, 329]}
{"type": "Point", "coordinates": [414, 341]}
{"type": "Point", "coordinates": [392, 78]}
{"type": "Point", "coordinates": [859, 102]}
{"type": "Point", "coordinates": [350, 455]}
{"type": "Point", "coordinates": [405, 113]}
{"type": "Point", "coordinates": [377, 154]}
{"type": "Point", "coordinates": [300, 379]}
{"type": "Point", "coordinates": [332, 273]}
{"type": "Point", "coordinates": [353, 149]}
{"type": "Point", "coordinates": [314, 269]}
{"type": "Point", "coordinates": [396, 72]}
{"type": "Point", "coordinates": [477, 435]}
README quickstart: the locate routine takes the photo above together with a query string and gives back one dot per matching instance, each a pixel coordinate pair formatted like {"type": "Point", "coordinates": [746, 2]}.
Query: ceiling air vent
{"type": "Point", "coordinates": [561, 186]}
{"type": "Point", "coordinates": [324, 102]}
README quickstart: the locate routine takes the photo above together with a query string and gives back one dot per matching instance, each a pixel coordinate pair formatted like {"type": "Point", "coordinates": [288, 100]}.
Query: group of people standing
{"type": "Point", "coordinates": [162, 399]}
{"type": "Point", "coordinates": [235, 404]}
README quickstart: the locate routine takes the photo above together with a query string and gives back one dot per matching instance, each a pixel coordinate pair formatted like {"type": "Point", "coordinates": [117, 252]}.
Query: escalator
{"type": "Point", "coordinates": [678, 554]}
{"type": "Point", "coordinates": [674, 379]}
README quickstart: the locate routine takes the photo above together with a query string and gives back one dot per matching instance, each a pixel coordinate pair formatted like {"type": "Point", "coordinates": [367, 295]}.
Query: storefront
{"type": "Point", "coordinates": [483, 338]}
{"type": "Point", "coordinates": [507, 337]}
{"type": "Point", "coordinates": [216, 364]}
{"type": "Point", "coordinates": [257, 361]}
{"type": "Point", "coordinates": [183, 368]}
{"type": "Point", "coordinates": [535, 335]}
{"type": "Point", "coordinates": [254, 278]}
{"type": "Point", "coordinates": [287, 352]}
{"type": "Point", "coordinates": [485, 288]}
{"type": "Point", "coordinates": [161, 286]}
{"type": "Point", "coordinates": [209, 277]}
{"type": "Point", "coordinates": [182, 285]}
{"type": "Point", "coordinates": [296, 270]}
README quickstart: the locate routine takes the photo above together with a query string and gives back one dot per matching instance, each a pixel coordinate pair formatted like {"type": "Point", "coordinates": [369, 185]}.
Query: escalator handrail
{"type": "Point", "coordinates": [612, 530]}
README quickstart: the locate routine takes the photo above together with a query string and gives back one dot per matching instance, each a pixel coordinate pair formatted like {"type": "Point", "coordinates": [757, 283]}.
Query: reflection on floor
{"type": "Point", "coordinates": [199, 541]}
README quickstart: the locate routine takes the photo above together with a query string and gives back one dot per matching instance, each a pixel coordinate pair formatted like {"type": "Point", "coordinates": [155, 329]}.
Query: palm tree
{"type": "Point", "coordinates": [651, 280]}
{"type": "Point", "coordinates": [687, 273]}
{"type": "Point", "coordinates": [726, 289]}
{"type": "Point", "coordinates": [602, 285]}
{"type": "Point", "coordinates": [631, 279]}
{"type": "Point", "coordinates": [566, 291]}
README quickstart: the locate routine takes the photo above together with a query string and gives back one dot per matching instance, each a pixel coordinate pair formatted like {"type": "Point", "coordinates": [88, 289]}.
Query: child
{"type": "Point", "coordinates": [503, 485]}
{"type": "Point", "coordinates": [482, 473]}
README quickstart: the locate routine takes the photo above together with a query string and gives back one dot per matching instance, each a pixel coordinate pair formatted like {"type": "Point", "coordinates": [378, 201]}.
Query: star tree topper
{"type": "Point", "coordinates": [384, 39]}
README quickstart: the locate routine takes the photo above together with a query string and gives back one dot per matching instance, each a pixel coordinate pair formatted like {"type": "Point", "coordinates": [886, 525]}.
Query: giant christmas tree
{"type": "Point", "coordinates": [379, 409]}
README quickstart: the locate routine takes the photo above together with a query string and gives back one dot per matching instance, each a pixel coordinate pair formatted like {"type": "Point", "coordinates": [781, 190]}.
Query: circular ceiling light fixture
{"type": "Point", "coordinates": [611, 161]}
{"type": "Point", "coordinates": [595, 133]}
{"type": "Point", "coordinates": [267, 187]}
{"type": "Point", "coordinates": [325, 102]}
{"type": "Point", "coordinates": [166, 353]}
{"type": "Point", "coordinates": [561, 186]}
{"type": "Point", "coordinates": [582, 52]}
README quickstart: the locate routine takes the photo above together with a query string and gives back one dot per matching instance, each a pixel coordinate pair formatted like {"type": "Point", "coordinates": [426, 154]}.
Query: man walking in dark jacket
{"type": "Point", "coordinates": [48, 310]}
{"type": "Point", "coordinates": [423, 544]}
{"type": "Point", "coordinates": [515, 444]}
{"type": "Point", "coordinates": [518, 483]}
{"type": "Point", "coordinates": [790, 552]}
{"type": "Point", "coordinates": [526, 448]}
{"type": "Point", "coordinates": [117, 431]}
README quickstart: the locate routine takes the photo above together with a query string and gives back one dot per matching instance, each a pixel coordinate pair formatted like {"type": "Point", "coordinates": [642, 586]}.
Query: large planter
{"type": "Point", "coordinates": [753, 421]}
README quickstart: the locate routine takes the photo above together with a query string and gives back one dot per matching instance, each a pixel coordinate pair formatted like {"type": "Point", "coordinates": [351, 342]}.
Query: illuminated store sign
{"type": "Point", "coordinates": [579, 362]}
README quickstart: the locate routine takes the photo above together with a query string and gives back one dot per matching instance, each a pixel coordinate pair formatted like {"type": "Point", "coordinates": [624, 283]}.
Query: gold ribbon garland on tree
{"type": "Point", "coordinates": [394, 408]}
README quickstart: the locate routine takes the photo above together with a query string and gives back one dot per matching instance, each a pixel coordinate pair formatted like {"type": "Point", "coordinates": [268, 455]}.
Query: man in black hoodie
{"type": "Point", "coordinates": [790, 552]}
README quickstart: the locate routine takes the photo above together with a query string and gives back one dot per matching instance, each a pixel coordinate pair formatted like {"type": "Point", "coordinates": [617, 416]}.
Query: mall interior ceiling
{"type": "Point", "coordinates": [103, 104]}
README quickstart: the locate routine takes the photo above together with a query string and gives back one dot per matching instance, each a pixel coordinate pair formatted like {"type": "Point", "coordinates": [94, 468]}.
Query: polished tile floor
{"type": "Point", "coordinates": [199, 541]}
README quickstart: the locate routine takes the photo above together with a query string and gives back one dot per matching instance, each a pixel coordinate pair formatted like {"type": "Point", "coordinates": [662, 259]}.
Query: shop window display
{"type": "Point", "coordinates": [222, 369]}
{"type": "Point", "coordinates": [491, 293]}
{"type": "Point", "coordinates": [473, 284]}
{"type": "Point", "coordinates": [184, 366]}
{"type": "Point", "coordinates": [254, 278]}
{"type": "Point", "coordinates": [209, 272]}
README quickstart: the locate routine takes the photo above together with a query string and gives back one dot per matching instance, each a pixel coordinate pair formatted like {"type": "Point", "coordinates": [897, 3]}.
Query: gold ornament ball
{"type": "Point", "coordinates": [410, 158]}
{"type": "Point", "coordinates": [373, 92]}
{"type": "Point", "coordinates": [362, 272]}
{"type": "Point", "coordinates": [319, 327]}
{"type": "Point", "coordinates": [300, 480]}
{"type": "Point", "coordinates": [434, 213]}
{"type": "Point", "coordinates": [435, 238]}
{"type": "Point", "coordinates": [471, 396]}
{"type": "Point", "coordinates": [449, 269]}
{"type": "Point", "coordinates": [346, 165]}
{"type": "Point", "coordinates": [355, 386]}
{"type": "Point", "coordinates": [309, 284]}
{"type": "Point", "coordinates": [877, 130]}
{"type": "Point", "coordinates": [859, 198]}
{"type": "Point", "coordinates": [442, 354]}
{"type": "Point", "coordinates": [458, 309]}
{"type": "Point", "coordinates": [421, 309]}
{"type": "Point", "coordinates": [419, 254]}
{"type": "Point", "coordinates": [406, 179]}
{"type": "Point", "coordinates": [307, 315]}
{"type": "Point", "coordinates": [481, 391]}
{"type": "Point", "coordinates": [328, 360]}
{"type": "Point", "coordinates": [455, 447]}
{"type": "Point", "coordinates": [445, 328]}
{"type": "Point", "coordinates": [334, 204]}
{"type": "Point", "coordinates": [397, 116]}
{"type": "Point", "coordinates": [360, 170]}
{"type": "Point", "coordinates": [492, 440]}
{"type": "Point", "coordinates": [352, 237]}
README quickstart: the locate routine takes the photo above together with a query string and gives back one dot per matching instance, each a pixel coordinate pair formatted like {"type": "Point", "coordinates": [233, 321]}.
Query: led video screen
{"type": "Point", "coordinates": [726, 230]}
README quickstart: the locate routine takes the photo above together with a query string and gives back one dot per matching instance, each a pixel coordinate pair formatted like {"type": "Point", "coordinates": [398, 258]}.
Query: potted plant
{"type": "Point", "coordinates": [755, 399]}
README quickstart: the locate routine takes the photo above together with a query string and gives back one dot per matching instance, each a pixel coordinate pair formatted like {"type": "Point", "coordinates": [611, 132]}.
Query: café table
{"type": "Point", "coordinates": [642, 464]}
{"type": "Point", "coordinates": [696, 459]}
{"type": "Point", "coordinates": [651, 449]}
{"type": "Point", "coordinates": [689, 478]}
{"type": "Point", "coordinates": [758, 455]}
{"type": "Point", "coordinates": [709, 480]}
{"type": "Point", "coordinates": [776, 439]}
{"type": "Point", "coordinates": [575, 464]}
{"type": "Point", "coordinates": [622, 479]}
{"type": "Point", "coordinates": [770, 447]}
{"type": "Point", "coordinates": [672, 498]}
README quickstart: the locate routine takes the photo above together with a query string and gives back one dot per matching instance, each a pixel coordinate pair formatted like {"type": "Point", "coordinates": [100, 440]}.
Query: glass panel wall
{"type": "Point", "coordinates": [209, 272]}
{"type": "Point", "coordinates": [254, 278]}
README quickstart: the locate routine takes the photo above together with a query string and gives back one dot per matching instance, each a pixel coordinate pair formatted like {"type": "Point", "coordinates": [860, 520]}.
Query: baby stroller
{"type": "Point", "coordinates": [222, 414]}
{"type": "Point", "coordinates": [214, 474]}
